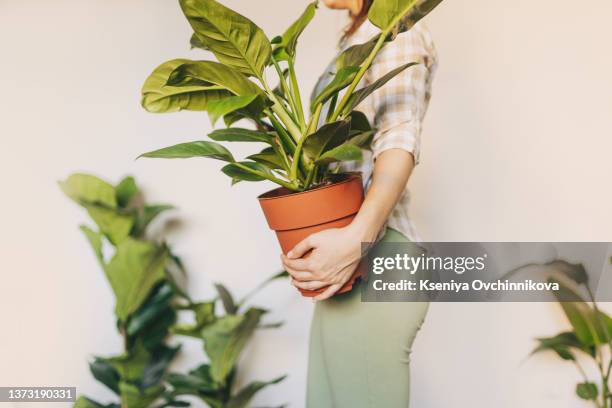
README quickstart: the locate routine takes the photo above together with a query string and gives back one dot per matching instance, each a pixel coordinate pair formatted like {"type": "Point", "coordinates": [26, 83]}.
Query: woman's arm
{"type": "Point", "coordinates": [399, 109]}
{"type": "Point", "coordinates": [337, 252]}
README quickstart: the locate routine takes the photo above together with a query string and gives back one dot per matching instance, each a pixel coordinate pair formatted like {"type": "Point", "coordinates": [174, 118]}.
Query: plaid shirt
{"type": "Point", "coordinates": [397, 109]}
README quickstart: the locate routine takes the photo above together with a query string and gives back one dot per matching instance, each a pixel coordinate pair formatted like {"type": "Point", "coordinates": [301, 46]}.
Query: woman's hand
{"type": "Point", "coordinates": [334, 256]}
{"type": "Point", "coordinates": [336, 252]}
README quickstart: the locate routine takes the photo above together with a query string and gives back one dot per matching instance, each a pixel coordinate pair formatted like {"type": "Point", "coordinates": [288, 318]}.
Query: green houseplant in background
{"type": "Point", "coordinates": [141, 273]}
{"type": "Point", "coordinates": [224, 337]}
{"type": "Point", "coordinates": [590, 334]}
{"type": "Point", "coordinates": [300, 149]}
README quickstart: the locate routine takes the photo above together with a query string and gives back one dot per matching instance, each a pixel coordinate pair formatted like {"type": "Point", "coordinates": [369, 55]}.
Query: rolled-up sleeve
{"type": "Point", "coordinates": [399, 107]}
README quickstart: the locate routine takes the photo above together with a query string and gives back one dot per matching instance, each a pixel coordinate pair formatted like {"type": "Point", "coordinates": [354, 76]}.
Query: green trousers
{"type": "Point", "coordinates": [360, 352]}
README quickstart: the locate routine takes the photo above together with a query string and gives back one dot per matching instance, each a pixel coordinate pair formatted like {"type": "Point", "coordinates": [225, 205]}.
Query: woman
{"type": "Point", "coordinates": [359, 351]}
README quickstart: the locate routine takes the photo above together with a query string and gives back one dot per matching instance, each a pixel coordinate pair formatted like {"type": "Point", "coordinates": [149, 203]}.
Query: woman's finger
{"type": "Point", "coordinates": [310, 285]}
{"type": "Point", "coordinates": [302, 248]}
{"type": "Point", "coordinates": [329, 292]}
{"type": "Point", "coordinates": [300, 275]}
{"type": "Point", "coordinates": [296, 264]}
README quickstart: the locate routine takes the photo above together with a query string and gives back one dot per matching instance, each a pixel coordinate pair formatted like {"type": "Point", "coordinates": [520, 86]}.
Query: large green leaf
{"type": "Point", "coordinates": [343, 78]}
{"type": "Point", "coordinates": [195, 42]}
{"type": "Point", "coordinates": [225, 339]}
{"type": "Point", "coordinates": [580, 315]}
{"type": "Point", "coordinates": [88, 189]}
{"type": "Point", "coordinates": [133, 397]}
{"type": "Point", "coordinates": [356, 54]}
{"type": "Point", "coordinates": [204, 314]}
{"type": "Point", "coordinates": [222, 107]}
{"type": "Point", "coordinates": [157, 304]}
{"type": "Point", "coordinates": [159, 97]}
{"type": "Point", "coordinates": [126, 191]}
{"type": "Point", "coordinates": [344, 152]}
{"type": "Point", "coordinates": [154, 334]}
{"type": "Point", "coordinates": [244, 396]}
{"type": "Point", "coordinates": [385, 14]}
{"type": "Point", "coordinates": [99, 199]}
{"type": "Point", "coordinates": [587, 391]}
{"type": "Point", "coordinates": [361, 94]}
{"type": "Point", "coordinates": [213, 73]}
{"type": "Point", "coordinates": [113, 223]}
{"type": "Point", "coordinates": [130, 365]}
{"type": "Point", "coordinates": [286, 44]}
{"type": "Point", "coordinates": [104, 372]}
{"type": "Point", "coordinates": [326, 138]}
{"type": "Point", "coordinates": [268, 157]}
{"type": "Point", "coordinates": [95, 240]}
{"type": "Point", "coordinates": [200, 384]}
{"type": "Point", "coordinates": [361, 139]}
{"type": "Point", "coordinates": [197, 382]}
{"type": "Point", "coordinates": [187, 150]}
{"type": "Point", "coordinates": [420, 10]}
{"type": "Point", "coordinates": [606, 322]}
{"type": "Point", "coordinates": [360, 122]}
{"type": "Point", "coordinates": [234, 39]}
{"type": "Point", "coordinates": [226, 298]}
{"type": "Point", "coordinates": [246, 171]}
{"type": "Point", "coordinates": [562, 344]}
{"type": "Point", "coordinates": [241, 135]}
{"type": "Point", "coordinates": [134, 270]}
{"type": "Point", "coordinates": [156, 368]}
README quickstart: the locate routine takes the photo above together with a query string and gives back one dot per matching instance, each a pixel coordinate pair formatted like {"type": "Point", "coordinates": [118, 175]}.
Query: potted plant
{"type": "Point", "coordinates": [302, 151]}
{"type": "Point", "coordinates": [148, 302]}
{"type": "Point", "coordinates": [590, 336]}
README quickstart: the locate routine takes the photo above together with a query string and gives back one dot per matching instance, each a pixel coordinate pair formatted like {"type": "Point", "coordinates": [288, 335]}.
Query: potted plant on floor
{"type": "Point", "coordinates": [302, 151]}
{"type": "Point", "coordinates": [590, 337]}
{"type": "Point", "coordinates": [148, 302]}
{"type": "Point", "coordinates": [139, 271]}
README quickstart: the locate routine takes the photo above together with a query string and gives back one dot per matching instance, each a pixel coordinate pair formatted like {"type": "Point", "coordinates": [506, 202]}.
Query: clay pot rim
{"type": "Point", "coordinates": [347, 178]}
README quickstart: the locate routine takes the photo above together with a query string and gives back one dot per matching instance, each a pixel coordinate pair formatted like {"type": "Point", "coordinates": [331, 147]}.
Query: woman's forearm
{"type": "Point", "coordinates": [391, 171]}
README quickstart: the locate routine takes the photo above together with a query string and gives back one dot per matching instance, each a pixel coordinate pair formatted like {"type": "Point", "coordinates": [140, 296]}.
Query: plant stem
{"type": "Point", "coordinates": [584, 376]}
{"type": "Point", "coordinates": [605, 375]}
{"type": "Point", "coordinates": [282, 133]}
{"type": "Point", "coordinates": [296, 94]}
{"type": "Point", "coordinates": [273, 179]}
{"type": "Point", "coordinates": [297, 156]}
{"type": "Point", "coordinates": [283, 115]}
{"type": "Point", "coordinates": [296, 160]}
{"type": "Point", "coordinates": [292, 128]}
{"type": "Point", "coordinates": [288, 95]}
{"type": "Point", "coordinates": [364, 67]}
{"type": "Point", "coordinates": [278, 148]}
{"type": "Point", "coordinates": [606, 386]}
{"type": "Point", "coordinates": [310, 176]}
{"type": "Point", "coordinates": [314, 120]}
{"type": "Point", "coordinates": [332, 107]}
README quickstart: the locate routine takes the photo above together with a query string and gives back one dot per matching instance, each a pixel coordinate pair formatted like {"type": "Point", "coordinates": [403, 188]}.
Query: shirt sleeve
{"type": "Point", "coordinates": [399, 107]}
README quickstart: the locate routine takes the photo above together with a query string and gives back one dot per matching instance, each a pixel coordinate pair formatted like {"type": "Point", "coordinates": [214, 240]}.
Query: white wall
{"type": "Point", "coordinates": [516, 147]}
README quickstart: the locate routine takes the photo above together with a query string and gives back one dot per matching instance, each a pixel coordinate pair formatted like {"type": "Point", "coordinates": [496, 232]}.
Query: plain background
{"type": "Point", "coordinates": [517, 147]}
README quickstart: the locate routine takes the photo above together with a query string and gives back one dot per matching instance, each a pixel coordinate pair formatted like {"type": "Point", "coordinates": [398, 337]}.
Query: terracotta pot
{"type": "Point", "coordinates": [294, 216]}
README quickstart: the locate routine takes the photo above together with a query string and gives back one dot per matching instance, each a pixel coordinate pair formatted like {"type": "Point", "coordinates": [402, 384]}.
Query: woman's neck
{"type": "Point", "coordinates": [355, 7]}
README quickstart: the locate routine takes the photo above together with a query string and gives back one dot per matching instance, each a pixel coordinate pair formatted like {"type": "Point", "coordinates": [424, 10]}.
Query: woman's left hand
{"type": "Point", "coordinates": [334, 256]}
